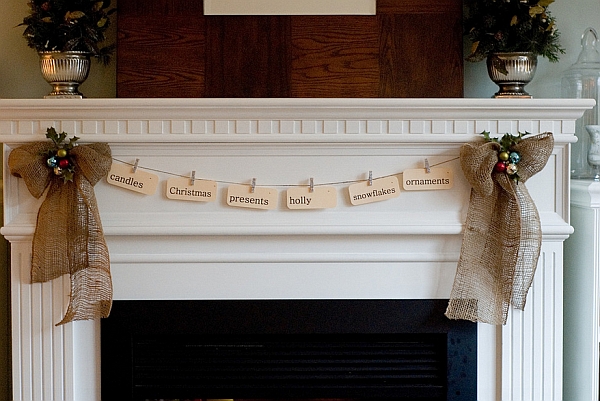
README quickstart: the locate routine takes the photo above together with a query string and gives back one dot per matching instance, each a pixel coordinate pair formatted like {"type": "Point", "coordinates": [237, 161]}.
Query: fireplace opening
{"type": "Point", "coordinates": [287, 350]}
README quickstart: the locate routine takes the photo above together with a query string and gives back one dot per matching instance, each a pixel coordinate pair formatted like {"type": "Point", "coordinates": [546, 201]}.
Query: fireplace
{"type": "Point", "coordinates": [287, 349]}
{"type": "Point", "coordinates": [402, 249]}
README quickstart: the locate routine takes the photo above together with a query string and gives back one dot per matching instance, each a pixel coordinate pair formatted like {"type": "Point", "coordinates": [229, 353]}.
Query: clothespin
{"type": "Point", "coordinates": [135, 166]}
{"type": "Point", "coordinates": [427, 168]}
{"type": "Point", "coordinates": [193, 178]}
{"type": "Point", "coordinates": [370, 183]}
{"type": "Point", "coordinates": [311, 187]}
{"type": "Point", "coordinates": [253, 185]}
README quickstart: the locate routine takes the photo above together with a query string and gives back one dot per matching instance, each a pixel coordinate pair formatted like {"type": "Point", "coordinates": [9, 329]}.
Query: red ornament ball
{"type": "Point", "coordinates": [63, 163]}
{"type": "Point", "coordinates": [500, 167]}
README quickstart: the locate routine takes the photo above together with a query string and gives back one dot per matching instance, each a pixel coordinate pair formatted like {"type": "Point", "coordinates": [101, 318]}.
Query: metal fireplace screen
{"type": "Point", "coordinates": [286, 349]}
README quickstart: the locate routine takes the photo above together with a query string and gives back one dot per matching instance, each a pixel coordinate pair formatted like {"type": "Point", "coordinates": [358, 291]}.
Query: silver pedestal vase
{"type": "Point", "coordinates": [511, 72]}
{"type": "Point", "coordinates": [65, 71]}
{"type": "Point", "coordinates": [593, 156]}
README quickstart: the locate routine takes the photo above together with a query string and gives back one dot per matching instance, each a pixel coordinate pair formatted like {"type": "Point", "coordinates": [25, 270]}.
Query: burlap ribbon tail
{"type": "Point", "coordinates": [68, 237]}
{"type": "Point", "coordinates": [502, 236]}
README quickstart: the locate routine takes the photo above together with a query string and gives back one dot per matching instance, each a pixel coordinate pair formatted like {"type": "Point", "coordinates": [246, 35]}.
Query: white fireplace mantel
{"type": "Point", "coordinates": [406, 247]}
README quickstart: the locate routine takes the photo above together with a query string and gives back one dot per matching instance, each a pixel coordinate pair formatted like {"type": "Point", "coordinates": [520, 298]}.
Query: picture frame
{"type": "Point", "coordinates": [289, 7]}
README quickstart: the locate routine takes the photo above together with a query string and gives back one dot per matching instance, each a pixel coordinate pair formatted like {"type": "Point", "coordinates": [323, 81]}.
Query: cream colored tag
{"type": "Point", "coordinates": [382, 189]}
{"type": "Point", "coordinates": [420, 180]}
{"type": "Point", "coordinates": [122, 175]}
{"type": "Point", "coordinates": [182, 189]}
{"type": "Point", "coordinates": [320, 198]}
{"type": "Point", "coordinates": [261, 198]}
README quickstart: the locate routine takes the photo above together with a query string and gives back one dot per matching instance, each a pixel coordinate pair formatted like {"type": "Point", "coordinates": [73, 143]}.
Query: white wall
{"type": "Point", "coordinates": [20, 77]}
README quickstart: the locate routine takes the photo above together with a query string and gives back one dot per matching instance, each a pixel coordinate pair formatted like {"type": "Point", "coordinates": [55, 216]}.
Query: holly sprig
{"type": "Point", "coordinates": [58, 139]}
{"type": "Point", "coordinates": [508, 158]}
{"type": "Point", "coordinates": [507, 141]}
{"type": "Point", "coordinates": [59, 159]}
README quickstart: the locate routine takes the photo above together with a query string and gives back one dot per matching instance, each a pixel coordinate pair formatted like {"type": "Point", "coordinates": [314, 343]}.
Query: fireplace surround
{"type": "Point", "coordinates": [404, 248]}
{"type": "Point", "coordinates": [287, 349]}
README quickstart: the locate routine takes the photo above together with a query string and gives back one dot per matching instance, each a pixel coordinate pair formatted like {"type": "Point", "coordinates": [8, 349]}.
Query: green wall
{"type": "Point", "coordinates": [19, 70]}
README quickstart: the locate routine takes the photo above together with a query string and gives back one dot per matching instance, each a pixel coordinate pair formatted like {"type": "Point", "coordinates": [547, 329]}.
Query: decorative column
{"type": "Point", "coordinates": [582, 300]}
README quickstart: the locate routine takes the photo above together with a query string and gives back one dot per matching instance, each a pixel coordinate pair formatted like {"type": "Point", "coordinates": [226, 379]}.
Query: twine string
{"type": "Point", "coordinates": [345, 182]}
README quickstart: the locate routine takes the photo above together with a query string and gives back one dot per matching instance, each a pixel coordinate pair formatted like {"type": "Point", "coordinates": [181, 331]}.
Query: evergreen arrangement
{"type": "Point", "coordinates": [511, 26]}
{"type": "Point", "coordinates": [69, 25]}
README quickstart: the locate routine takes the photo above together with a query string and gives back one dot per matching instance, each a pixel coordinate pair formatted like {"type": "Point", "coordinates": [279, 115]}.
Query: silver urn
{"type": "Point", "coordinates": [511, 72]}
{"type": "Point", "coordinates": [65, 71]}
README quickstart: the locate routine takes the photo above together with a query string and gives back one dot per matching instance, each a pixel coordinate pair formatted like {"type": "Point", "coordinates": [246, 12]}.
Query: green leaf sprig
{"type": "Point", "coordinates": [60, 158]}
{"type": "Point", "coordinates": [511, 26]}
{"type": "Point", "coordinates": [70, 25]}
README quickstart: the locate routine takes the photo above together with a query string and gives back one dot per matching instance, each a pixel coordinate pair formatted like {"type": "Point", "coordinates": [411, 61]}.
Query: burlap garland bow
{"type": "Point", "coordinates": [68, 237]}
{"type": "Point", "coordinates": [502, 237]}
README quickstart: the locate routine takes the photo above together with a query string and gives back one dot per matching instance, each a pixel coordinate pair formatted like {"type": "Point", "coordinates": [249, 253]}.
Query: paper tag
{"type": "Point", "coordinates": [320, 198]}
{"type": "Point", "coordinates": [382, 189]}
{"type": "Point", "coordinates": [122, 175]}
{"type": "Point", "coordinates": [261, 198]}
{"type": "Point", "coordinates": [420, 180]}
{"type": "Point", "coordinates": [181, 188]}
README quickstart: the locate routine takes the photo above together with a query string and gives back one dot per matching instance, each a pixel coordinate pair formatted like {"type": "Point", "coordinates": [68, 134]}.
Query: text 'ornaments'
{"type": "Point", "coordinates": [243, 196]}
{"type": "Point", "coordinates": [380, 189]}
{"type": "Point", "coordinates": [123, 175]}
{"type": "Point", "coordinates": [200, 191]}
{"type": "Point", "coordinates": [319, 198]}
{"type": "Point", "coordinates": [421, 180]}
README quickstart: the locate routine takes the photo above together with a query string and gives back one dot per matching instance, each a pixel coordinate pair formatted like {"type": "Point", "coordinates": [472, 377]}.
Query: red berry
{"type": "Point", "coordinates": [500, 167]}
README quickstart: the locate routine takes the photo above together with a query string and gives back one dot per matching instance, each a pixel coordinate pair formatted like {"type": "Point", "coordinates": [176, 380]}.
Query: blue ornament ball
{"type": "Point", "coordinates": [514, 157]}
{"type": "Point", "coordinates": [52, 162]}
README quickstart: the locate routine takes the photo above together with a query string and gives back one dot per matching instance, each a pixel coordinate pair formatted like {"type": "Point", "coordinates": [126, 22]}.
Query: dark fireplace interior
{"type": "Point", "coordinates": [286, 350]}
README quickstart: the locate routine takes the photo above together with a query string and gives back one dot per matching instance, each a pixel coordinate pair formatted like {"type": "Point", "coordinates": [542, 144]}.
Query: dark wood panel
{"type": "Point", "coordinates": [335, 56]}
{"type": "Point", "coordinates": [160, 57]}
{"type": "Point", "coordinates": [418, 62]}
{"type": "Point", "coordinates": [248, 56]}
{"type": "Point", "coordinates": [131, 8]}
{"type": "Point", "coordinates": [411, 48]}
{"type": "Point", "coordinates": [418, 6]}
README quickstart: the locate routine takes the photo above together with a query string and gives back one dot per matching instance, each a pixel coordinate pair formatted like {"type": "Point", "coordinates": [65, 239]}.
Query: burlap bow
{"type": "Point", "coordinates": [68, 236]}
{"type": "Point", "coordinates": [502, 237]}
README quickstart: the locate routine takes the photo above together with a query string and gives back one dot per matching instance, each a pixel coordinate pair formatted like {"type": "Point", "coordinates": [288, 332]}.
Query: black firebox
{"type": "Point", "coordinates": [287, 349]}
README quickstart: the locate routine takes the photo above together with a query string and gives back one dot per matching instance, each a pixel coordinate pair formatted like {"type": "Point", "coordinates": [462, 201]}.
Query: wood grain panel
{"type": "Point", "coordinates": [418, 62]}
{"type": "Point", "coordinates": [335, 56]}
{"type": "Point", "coordinates": [157, 8]}
{"type": "Point", "coordinates": [418, 6]}
{"type": "Point", "coordinates": [160, 57]}
{"type": "Point", "coordinates": [247, 56]}
{"type": "Point", "coordinates": [411, 48]}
